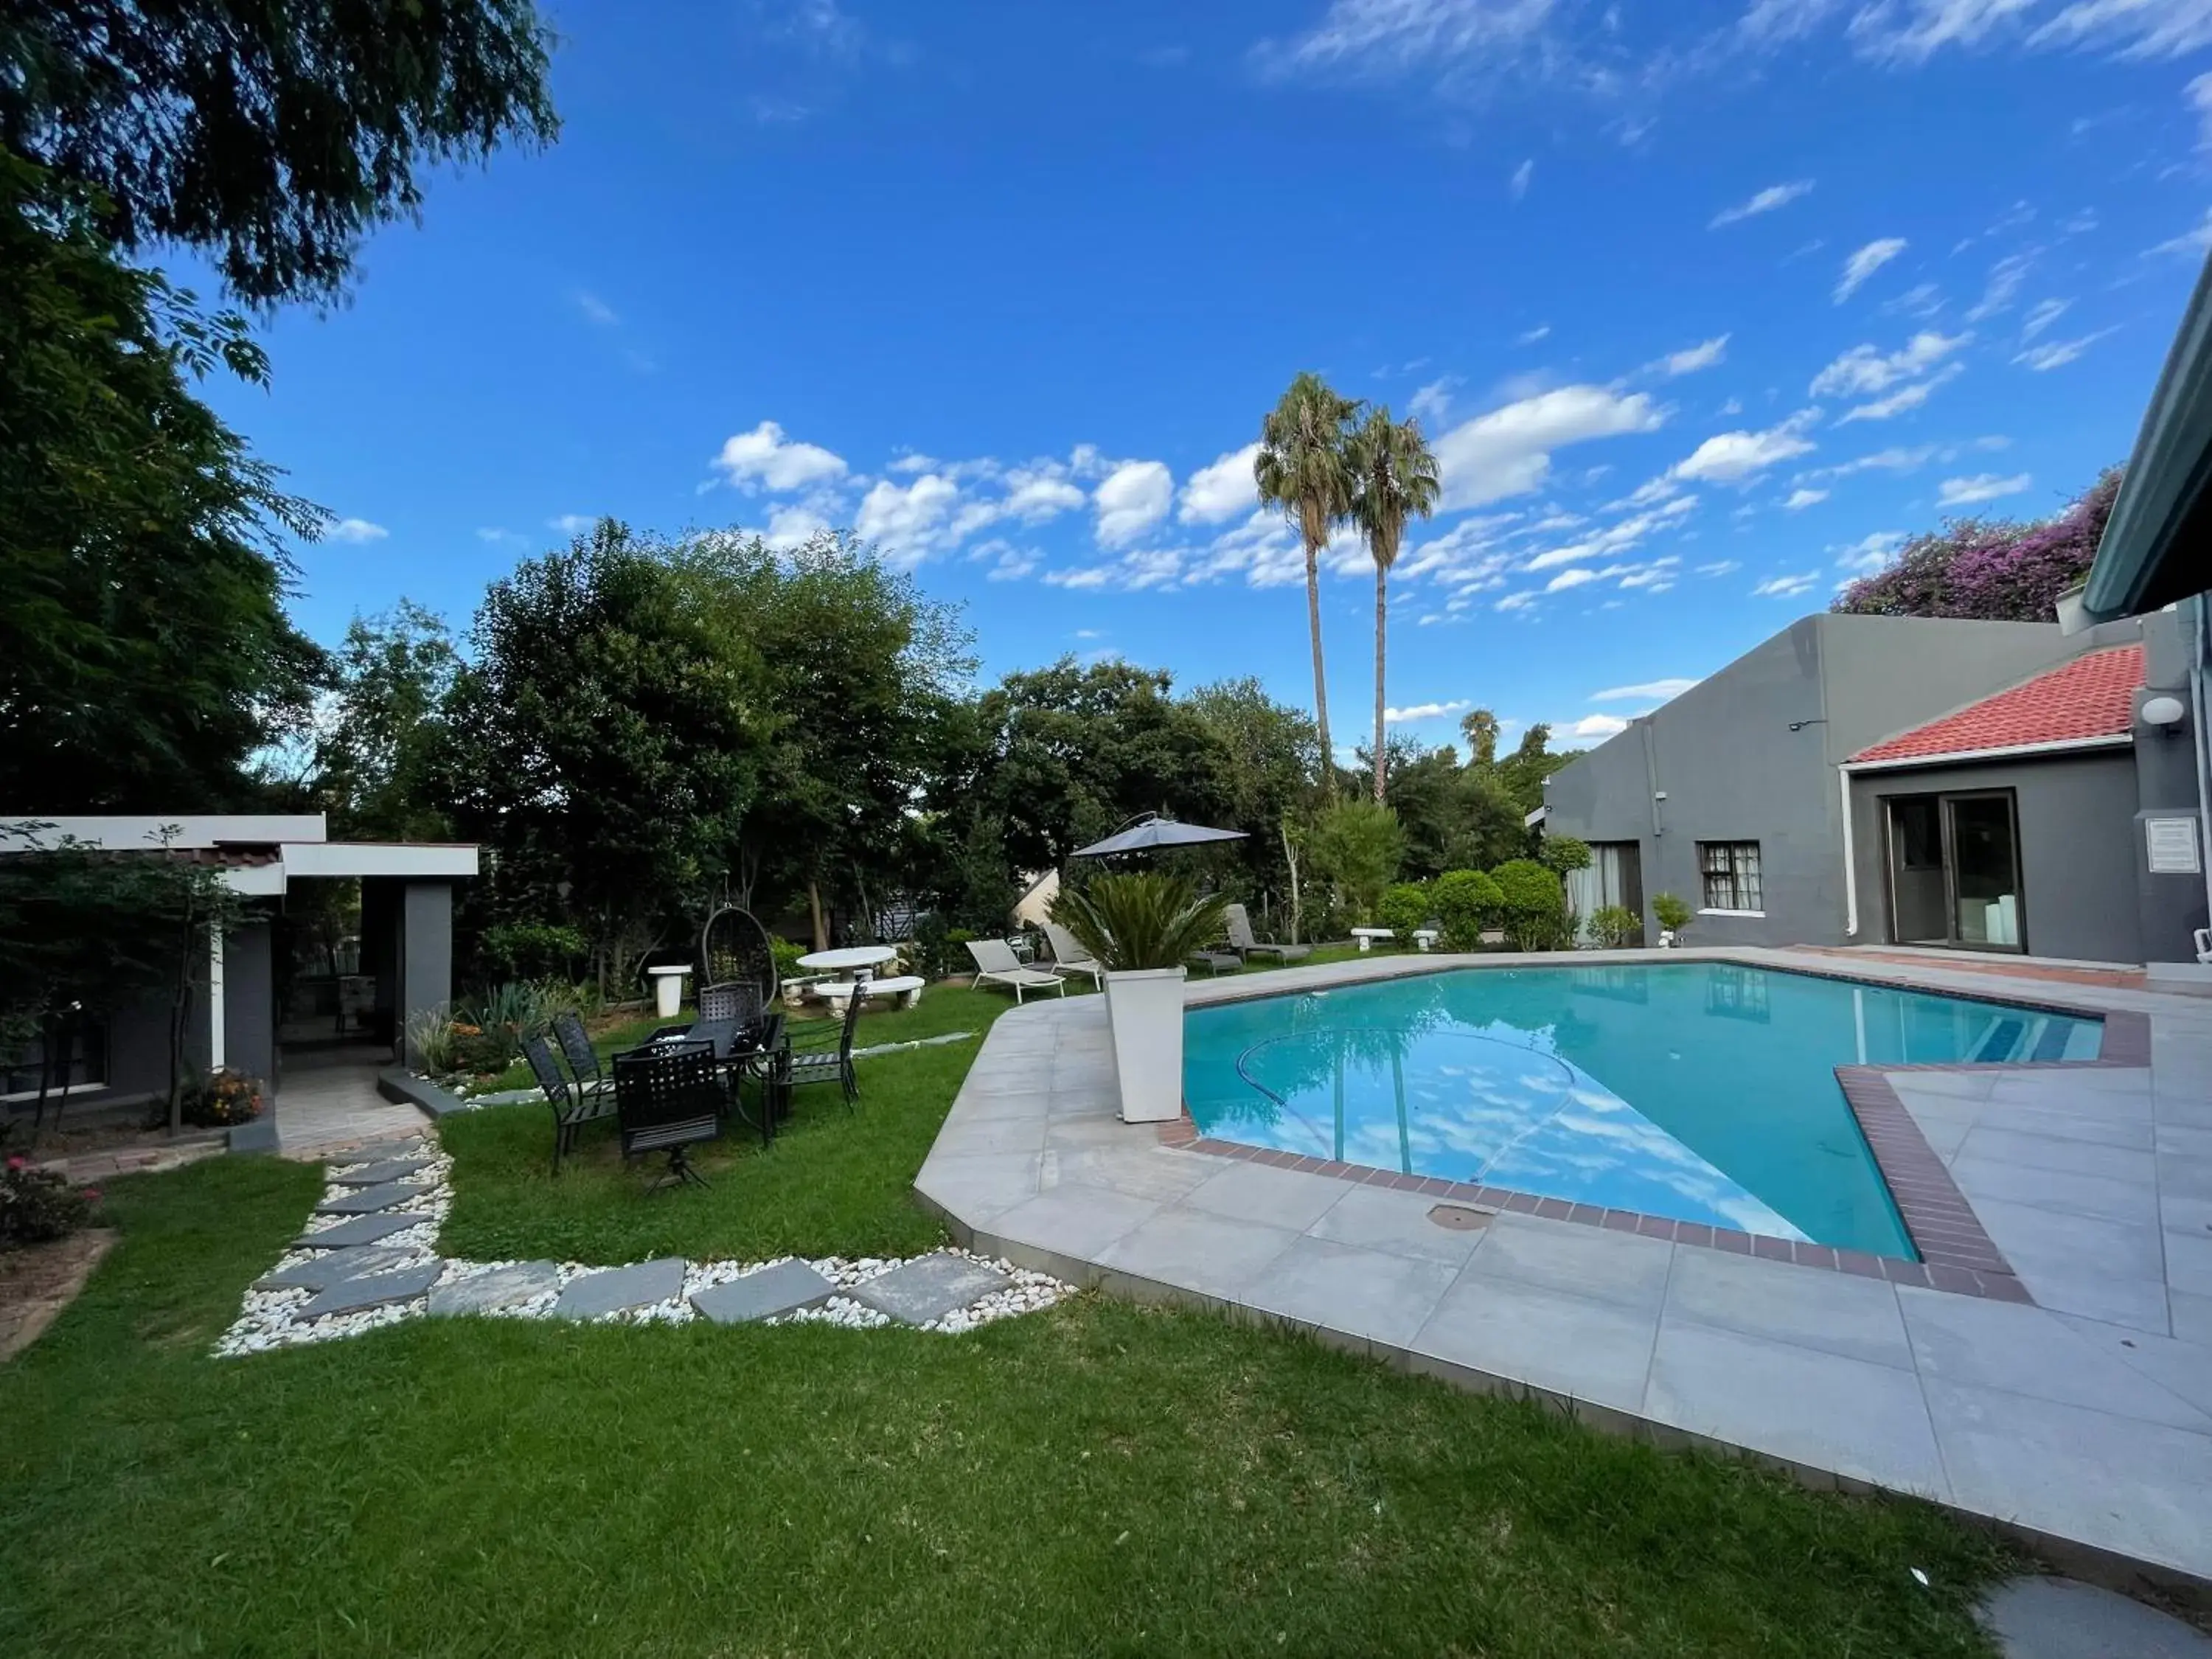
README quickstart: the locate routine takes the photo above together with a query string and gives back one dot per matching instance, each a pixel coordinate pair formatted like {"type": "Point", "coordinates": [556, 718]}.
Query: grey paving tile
{"type": "Point", "coordinates": [1945, 1135]}
{"type": "Point", "coordinates": [1622, 1269]}
{"type": "Point", "coordinates": [319, 1272]}
{"type": "Point", "coordinates": [1161, 1174]}
{"type": "Point", "coordinates": [2181, 1368]}
{"type": "Point", "coordinates": [376, 1174]}
{"type": "Point", "coordinates": [976, 1190]}
{"type": "Point", "coordinates": [973, 1137]}
{"type": "Point", "coordinates": [1374, 1294]}
{"type": "Point", "coordinates": [2192, 1317]}
{"type": "Point", "coordinates": [1196, 1250]}
{"type": "Point", "coordinates": [502, 1288]}
{"type": "Point", "coordinates": [2101, 1196]}
{"type": "Point", "coordinates": [370, 1200]}
{"type": "Point", "coordinates": [2041, 1618]}
{"type": "Point", "coordinates": [1073, 1220]}
{"type": "Point", "coordinates": [2187, 1176]}
{"type": "Point", "coordinates": [2035, 1236]}
{"type": "Point", "coordinates": [2189, 1262]}
{"type": "Point", "coordinates": [928, 1287]}
{"type": "Point", "coordinates": [2074, 1094]}
{"type": "Point", "coordinates": [2125, 1484]}
{"type": "Point", "coordinates": [356, 1295]}
{"type": "Point", "coordinates": [365, 1229]}
{"type": "Point", "coordinates": [2063, 1155]}
{"type": "Point", "coordinates": [2189, 1141]}
{"type": "Point", "coordinates": [2134, 1133]}
{"type": "Point", "coordinates": [1863, 1420]}
{"type": "Point", "coordinates": [1256, 1191]}
{"type": "Point", "coordinates": [2178, 1212]}
{"type": "Point", "coordinates": [1378, 1218]}
{"type": "Point", "coordinates": [765, 1293]}
{"type": "Point", "coordinates": [1599, 1352]}
{"type": "Point", "coordinates": [1831, 1312]}
{"type": "Point", "coordinates": [2187, 1112]}
{"type": "Point", "coordinates": [616, 1289]}
{"type": "Point", "coordinates": [2032, 1350]}
{"type": "Point", "coordinates": [1947, 1086]}
{"type": "Point", "coordinates": [2142, 1303]}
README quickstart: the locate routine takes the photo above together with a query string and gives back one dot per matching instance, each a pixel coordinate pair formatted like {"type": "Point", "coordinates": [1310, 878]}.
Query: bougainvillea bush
{"type": "Point", "coordinates": [1989, 569]}
{"type": "Point", "coordinates": [38, 1205]}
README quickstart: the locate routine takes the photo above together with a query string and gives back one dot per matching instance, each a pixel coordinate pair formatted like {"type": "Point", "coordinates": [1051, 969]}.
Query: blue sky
{"type": "Point", "coordinates": [1701, 304]}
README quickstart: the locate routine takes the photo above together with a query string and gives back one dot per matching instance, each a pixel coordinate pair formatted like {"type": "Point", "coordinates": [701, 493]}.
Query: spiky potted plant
{"type": "Point", "coordinates": [1142, 928]}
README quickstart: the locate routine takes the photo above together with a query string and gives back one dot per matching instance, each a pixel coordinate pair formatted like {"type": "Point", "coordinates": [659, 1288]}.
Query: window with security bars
{"type": "Point", "coordinates": [1731, 872]}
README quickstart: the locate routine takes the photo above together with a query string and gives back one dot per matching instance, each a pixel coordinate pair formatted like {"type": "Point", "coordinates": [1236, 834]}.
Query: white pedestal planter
{"type": "Point", "coordinates": [1144, 1007]}
{"type": "Point", "coordinates": [668, 990]}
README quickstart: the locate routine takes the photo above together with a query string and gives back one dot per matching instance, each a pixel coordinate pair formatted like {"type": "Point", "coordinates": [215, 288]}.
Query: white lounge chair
{"type": "Point", "coordinates": [995, 961]}
{"type": "Point", "coordinates": [2203, 938]}
{"type": "Point", "coordinates": [1068, 956]}
{"type": "Point", "coordinates": [1241, 942]}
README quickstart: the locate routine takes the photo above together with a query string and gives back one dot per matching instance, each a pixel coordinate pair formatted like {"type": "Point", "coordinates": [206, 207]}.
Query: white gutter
{"type": "Point", "coordinates": [2203, 625]}
{"type": "Point", "coordinates": [214, 999]}
{"type": "Point", "coordinates": [1851, 865]}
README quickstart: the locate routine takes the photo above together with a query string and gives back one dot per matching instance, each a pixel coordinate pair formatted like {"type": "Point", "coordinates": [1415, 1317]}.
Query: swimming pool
{"type": "Point", "coordinates": [1700, 1091]}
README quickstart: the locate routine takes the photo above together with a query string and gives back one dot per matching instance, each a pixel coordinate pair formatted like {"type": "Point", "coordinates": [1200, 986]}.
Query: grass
{"type": "Point", "coordinates": [1099, 1479]}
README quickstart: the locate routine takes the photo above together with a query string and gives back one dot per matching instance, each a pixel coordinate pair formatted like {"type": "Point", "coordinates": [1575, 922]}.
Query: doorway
{"type": "Point", "coordinates": [1954, 870]}
{"type": "Point", "coordinates": [1614, 877]}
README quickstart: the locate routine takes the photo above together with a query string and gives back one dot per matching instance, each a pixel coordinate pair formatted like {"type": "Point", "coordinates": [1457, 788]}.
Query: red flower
{"type": "Point", "coordinates": [17, 1161]}
{"type": "Point", "coordinates": [92, 1194]}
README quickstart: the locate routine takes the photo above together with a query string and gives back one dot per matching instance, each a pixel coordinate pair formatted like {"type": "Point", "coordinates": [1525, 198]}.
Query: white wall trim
{"type": "Point", "coordinates": [422, 860]}
{"type": "Point", "coordinates": [214, 999]}
{"type": "Point", "coordinates": [1759, 914]}
{"type": "Point", "coordinates": [2017, 751]}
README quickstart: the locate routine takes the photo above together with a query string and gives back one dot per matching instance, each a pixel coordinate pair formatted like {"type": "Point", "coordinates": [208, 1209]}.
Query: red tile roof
{"type": "Point", "coordinates": [2092, 696]}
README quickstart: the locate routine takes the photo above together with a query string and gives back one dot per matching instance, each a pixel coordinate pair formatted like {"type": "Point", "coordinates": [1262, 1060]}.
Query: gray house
{"type": "Point", "coordinates": [1893, 780]}
{"type": "Point", "coordinates": [400, 961]}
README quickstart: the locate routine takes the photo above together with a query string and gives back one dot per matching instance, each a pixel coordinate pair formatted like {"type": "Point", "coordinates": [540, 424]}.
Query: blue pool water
{"type": "Point", "coordinates": [1698, 1090]}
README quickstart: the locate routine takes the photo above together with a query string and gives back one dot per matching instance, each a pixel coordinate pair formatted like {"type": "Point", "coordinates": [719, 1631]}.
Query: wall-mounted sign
{"type": "Point", "coordinates": [2170, 846]}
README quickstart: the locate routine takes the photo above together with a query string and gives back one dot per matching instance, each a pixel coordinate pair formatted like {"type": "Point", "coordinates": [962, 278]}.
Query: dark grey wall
{"type": "Point", "coordinates": [2077, 848]}
{"type": "Point", "coordinates": [2168, 907]}
{"type": "Point", "coordinates": [1731, 770]}
{"type": "Point", "coordinates": [249, 1000]}
{"type": "Point", "coordinates": [426, 948]}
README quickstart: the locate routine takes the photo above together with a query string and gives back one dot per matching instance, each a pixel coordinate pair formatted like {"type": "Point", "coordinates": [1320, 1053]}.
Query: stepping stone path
{"type": "Point", "coordinates": [376, 1264]}
{"type": "Point", "coordinates": [373, 1290]}
{"type": "Point", "coordinates": [787, 1287]}
{"type": "Point", "coordinates": [503, 1290]}
{"type": "Point", "coordinates": [368, 1200]}
{"type": "Point", "coordinates": [619, 1290]}
{"type": "Point", "coordinates": [376, 1174]}
{"type": "Point", "coordinates": [929, 1287]}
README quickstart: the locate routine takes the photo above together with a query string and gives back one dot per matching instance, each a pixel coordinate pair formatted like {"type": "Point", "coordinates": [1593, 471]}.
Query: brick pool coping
{"type": "Point", "coordinates": [1957, 1254]}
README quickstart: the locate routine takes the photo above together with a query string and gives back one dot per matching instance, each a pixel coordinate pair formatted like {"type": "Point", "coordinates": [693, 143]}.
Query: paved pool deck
{"type": "Point", "coordinates": [2082, 1418]}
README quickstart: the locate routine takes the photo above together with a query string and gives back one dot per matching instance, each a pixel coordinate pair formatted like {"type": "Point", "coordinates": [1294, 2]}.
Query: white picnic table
{"type": "Point", "coordinates": [861, 960]}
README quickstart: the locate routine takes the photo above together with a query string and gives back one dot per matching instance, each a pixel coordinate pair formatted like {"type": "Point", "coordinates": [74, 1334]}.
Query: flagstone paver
{"type": "Point", "coordinates": [369, 1200]}
{"type": "Point", "coordinates": [363, 1229]}
{"type": "Point", "coordinates": [929, 1287]}
{"type": "Point", "coordinates": [333, 1268]}
{"type": "Point", "coordinates": [787, 1287]}
{"type": "Point", "coordinates": [377, 1174]}
{"type": "Point", "coordinates": [373, 1290]}
{"type": "Point", "coordinates": [619, 1290]}
{"type": "Point", "coordinates": [495, 1292]}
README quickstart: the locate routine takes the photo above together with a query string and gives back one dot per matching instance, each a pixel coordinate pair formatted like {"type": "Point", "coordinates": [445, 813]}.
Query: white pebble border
{"type": "Point", "coordinates": [270, 1319]}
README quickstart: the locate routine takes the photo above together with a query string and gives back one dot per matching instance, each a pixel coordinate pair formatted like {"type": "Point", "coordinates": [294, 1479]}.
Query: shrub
{"type": "Point", "coordinates": [1613, 926]}
{"type": "Point", "coordinates": [226, 1097]}
{"type": "Point", "coordinates": [38, 1204]}
{"type": "Point", "coordinates": [787, 956]}
{"type": "Point", "coordinates": [1359, 846]}
{"type": "Point", "coordinates": [1562, 853]}
{"type": "Point", "coordinates": [1138, 921]}
{"type": "Point", "coordinates": [433, 1039]}
{"type": "Point", "coordinates": [1673, 914]}
{"type": "Point", "coordinates": [1535, 905]}
{"type": "Point", "coordinates": [1405, 907]}
{"type": "Point", "coordinates": [534, 949]}
{"type": "Point", "coordinates": [1466, 902]}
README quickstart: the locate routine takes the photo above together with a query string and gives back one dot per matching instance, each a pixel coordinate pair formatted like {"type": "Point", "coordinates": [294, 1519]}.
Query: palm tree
{"type": "Point", "coordinates": [1394, 478]}
{"type": "Point", "coordinates": [1301, 469]}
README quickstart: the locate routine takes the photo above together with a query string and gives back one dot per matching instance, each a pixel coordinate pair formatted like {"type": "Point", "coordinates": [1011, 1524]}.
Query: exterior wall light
{"type": "Point", "coordinates": [2166, 712]}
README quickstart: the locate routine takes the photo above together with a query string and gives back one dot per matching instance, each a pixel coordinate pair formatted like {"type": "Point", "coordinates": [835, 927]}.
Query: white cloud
{"type": "Point", "coordinates": [1530, 335]}
{"type": "Point", "coordinates": [1893, 460]}
{"type": "Point", "coordinates": [763, 457]}
{"type": "Point", "coordinates": [597, 310]}
{"type": "Point", "coordinates": [572, 523]}
{"type": "Point", "coordinates": [1786, 588]}
{"type": "Point", "coordinates": [1507, 451]}
{"type": "Point", "coordinates": [2134, 29]}
{"type": "Point", "coordinates": [1911, 33]}
{"type": "Point", "coordinates": [1764, 201]}
{"type": "Point", "coordinates": [1132, 498]}
{"type": "Point", "coordinates": [906, 521]}
{"type": "Point", "coordinates": [499, 537]}
{"type": "Point", "coordinates": [1424, 711]}
{"type": "Point", "coordinates": [1574, 577]}
{"type": "Point", "coordinates": [1734, 456]}
{"type": "Point", "coordinates": [1387, 36]}
{"type": "Point", "coordinates": [913, 462]}
{"type": "Point", "coordinates": [2046, 312]}
{"type": "Point", "coordinates": [2195, 243]}
{"type": "Point", "coordinates": [1225, 489]}
{"type": "Point", "coordinates": [1905, 398]}
{"type": "Point", "coordinates": [1720, 567]}
{"type": "Point", "coordinates": [2057, 353]}
{"type": "Point", "coordinates": [1800, 498]}
{"type": "Point", "coordinates": [792, 523]}
{"type": "Point", "coordinates": [2005, 279]}
{"type": "Point", "coordinates": [356, 530]}
{"type": "Point", "coordinates": [1518, 183]}
{"type": "Point", "coordinates": [1597, 726]}
{"type": "Point", "coordinates": [1982, 487]}
{"type": "Point", "coordinates": [1432, 402]}
{"type": "Point", "coordinates": [1864, 368]}
{"type": "Point", "coordinates": [1691, 359]}
{"type": "Point", "coordinates": [1033, 497]}
{"type": "Point", "coordinates": [1521, 601]}
{"type": "Point", "coordinates": [2198, 96]}
{"type": "Point", "coordinates": [1921, 300]}
{"type": "Point", "coordinates": [1649, 690]}
{"type": "Point", "coordinates": [1864, 262]}
{"type": "Point", "coordinates": [1010, 564]}
{"type": "Point", "coordinates": [1871, 552]}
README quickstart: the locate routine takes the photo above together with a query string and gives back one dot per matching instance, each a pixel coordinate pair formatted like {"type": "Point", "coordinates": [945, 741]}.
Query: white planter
{"type": "Point", "coordinates": [1144, 1006]}
{"type": "Point", "coordinates": [668, 990]}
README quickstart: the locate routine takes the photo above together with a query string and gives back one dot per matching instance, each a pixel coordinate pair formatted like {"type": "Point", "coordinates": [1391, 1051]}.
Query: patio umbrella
{"type": "Point", "coordinates": [1149, 829]}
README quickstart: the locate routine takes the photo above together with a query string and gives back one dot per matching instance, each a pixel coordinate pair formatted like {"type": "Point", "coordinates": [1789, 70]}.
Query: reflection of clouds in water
{"type": "Point", "coordinates": [1545, 1128]}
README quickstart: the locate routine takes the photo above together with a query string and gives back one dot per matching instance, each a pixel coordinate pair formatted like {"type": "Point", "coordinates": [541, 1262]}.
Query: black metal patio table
{"type": "Point", "coordinates": [742, 1048]}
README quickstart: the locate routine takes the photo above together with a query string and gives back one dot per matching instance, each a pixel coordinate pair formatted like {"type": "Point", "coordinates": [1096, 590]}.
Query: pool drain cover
{"type": "Point", "coordinates": [1458, 1217]}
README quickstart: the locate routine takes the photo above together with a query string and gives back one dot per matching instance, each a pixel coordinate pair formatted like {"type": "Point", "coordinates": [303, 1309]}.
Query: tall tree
{"type": "Point", "coordinates": [1301, 468]}
{"type": "Point", "coordinates": [269, 137]}
{"type": "Point", "coordinates": [1479, 728]}
{"type": "Point", "coordinates": [1394, 478]}
{"type": "Point", "coordinates": [1989, 569]}
{"type": "Point", "coordinates": [383, 733]}
{"type": "Point", "coordinates": [145, 650]}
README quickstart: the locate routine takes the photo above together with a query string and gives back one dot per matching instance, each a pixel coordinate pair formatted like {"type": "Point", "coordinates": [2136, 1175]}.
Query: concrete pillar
{"type": "Point", "coordinates": [426, 952]}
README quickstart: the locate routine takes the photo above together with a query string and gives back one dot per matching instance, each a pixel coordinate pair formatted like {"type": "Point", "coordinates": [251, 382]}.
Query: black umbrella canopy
{"type": "Point", "coordinates": [1151, 831]}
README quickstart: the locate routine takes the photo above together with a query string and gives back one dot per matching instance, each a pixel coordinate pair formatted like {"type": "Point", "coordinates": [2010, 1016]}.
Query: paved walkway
{"type": "Point", "coordinates": [327, 1100]}
{"type": "Point", "coordinates": [2086, 1422]}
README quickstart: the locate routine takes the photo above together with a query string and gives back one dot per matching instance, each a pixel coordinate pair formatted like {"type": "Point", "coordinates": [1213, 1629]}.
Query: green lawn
{"type": "Point", "coordinates": [1098, 1479]}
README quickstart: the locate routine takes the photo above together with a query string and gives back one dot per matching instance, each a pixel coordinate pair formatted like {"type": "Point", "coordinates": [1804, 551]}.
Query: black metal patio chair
{"type": "Point", "coordinates": [668, 1097]}
{"type": "Point", "coordinates": [572, 1109]}
{"type": "Point", "coordinates": [823, 1057]}
{"type": "Point", "coordinates": [584, 1064]}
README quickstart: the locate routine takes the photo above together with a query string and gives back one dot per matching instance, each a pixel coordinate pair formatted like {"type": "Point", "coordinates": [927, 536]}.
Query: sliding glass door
{"type": "Point", "coordinates": [1954, 870]}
